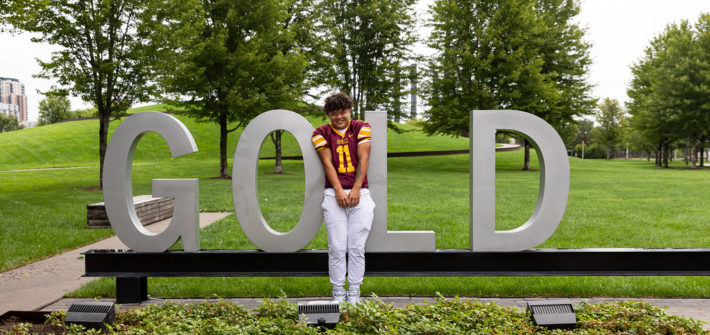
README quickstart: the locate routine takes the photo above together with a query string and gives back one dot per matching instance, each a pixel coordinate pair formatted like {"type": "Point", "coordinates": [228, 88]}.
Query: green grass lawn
{"type": "Point", "coordinates": [612, 204]}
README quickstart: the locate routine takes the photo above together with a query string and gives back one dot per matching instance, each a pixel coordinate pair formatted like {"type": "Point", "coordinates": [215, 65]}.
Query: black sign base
{"type": "Point", "coordinates": [132, 268]}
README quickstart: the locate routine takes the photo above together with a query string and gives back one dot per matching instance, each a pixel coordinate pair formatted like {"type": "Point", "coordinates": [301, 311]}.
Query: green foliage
{"type": "Point", "coordinates": [509, 54]}
{"type": "Point", "coordinates": [9, 123]}
{"type": "Point", "coordinates": [609, 133]}
{"type": "Point", "coordinates": [227, 61]}
{"type": "Point", "coordinates": [100, 56]}
{"type": "Point", "coordinates": [82, 113]}
{"type": "Point", "coordinates": [590, 151]}
{"type": "Point", "coordinates": [54, 108]}
{"type": "Point", "coordinates": [526, 55]}
{"type": "Point", "coordinates": [633, 317]}
{"type": "Point", "coordinates": [442, 316]}
{"type": "Point", "coordinates": [669, 90]}
{"type": "Point", "coordinates": [365, 50]}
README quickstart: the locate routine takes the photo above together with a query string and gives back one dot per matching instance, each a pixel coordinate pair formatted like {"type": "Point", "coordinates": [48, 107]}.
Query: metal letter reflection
{"type": "Point", "coordinates": [554, 181]}
{"type": "Point", "coordinates": [118, 194]}
{"type": "Point", "coordinates": [244, 192]}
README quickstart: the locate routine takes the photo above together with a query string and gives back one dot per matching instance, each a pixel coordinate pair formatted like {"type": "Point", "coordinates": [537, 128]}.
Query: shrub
{"type": "Point", "coordinates": [443, 316]}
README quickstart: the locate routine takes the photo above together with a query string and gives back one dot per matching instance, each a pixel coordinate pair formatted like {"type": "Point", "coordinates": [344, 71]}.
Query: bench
{"type": "Point", "coordinates": [149, 210]}
{"type": "Point", "coordinates": [131, 269]}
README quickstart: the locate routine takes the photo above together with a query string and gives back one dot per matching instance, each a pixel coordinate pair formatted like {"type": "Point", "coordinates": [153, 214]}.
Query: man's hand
{"type": "Point", "coordinates": [354, 197]}
{"type": "Point", "coordinates": [342, 198]}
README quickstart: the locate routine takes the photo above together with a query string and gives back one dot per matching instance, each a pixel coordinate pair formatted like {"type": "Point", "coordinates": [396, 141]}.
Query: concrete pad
{"type": "Point", "coordinates": [38, 284]}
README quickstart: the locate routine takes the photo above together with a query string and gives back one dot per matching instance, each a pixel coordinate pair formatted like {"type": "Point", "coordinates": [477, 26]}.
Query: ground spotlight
{"type": "Point", "coordinates": [319, 313]}
{"type": "Point", "coordinates": [93, 314]}
{"type": "Point", "coordinates": [552, 313]}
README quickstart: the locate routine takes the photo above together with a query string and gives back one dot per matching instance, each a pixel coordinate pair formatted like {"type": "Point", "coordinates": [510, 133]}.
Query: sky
{"type": "Point", "coordinates": [619, 30]}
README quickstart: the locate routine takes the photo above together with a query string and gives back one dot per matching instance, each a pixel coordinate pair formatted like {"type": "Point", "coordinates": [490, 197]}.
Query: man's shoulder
{"type": "Point", "coordinates": [323, 129]}
{"type": "Point", "coordinates": [357, 124]}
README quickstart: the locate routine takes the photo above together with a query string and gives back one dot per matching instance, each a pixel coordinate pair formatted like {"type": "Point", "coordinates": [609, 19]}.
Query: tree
{"type": "Point", "coordinates": [100, 58]}
{"type": "Point", "coordinates": [300, 17]}
{"type": "Point", "coordinates": [365, 51]}
{"type": "Point", "coordinates": [512, 54]}
{"type": "Point", "coordinates": [9, 123]}
{"type": "Point", "coordinates": [225, 60]}
{"type": "Point", "coordinates": [584, 132]}
{"type": "Point", "coordinates": [669, 92]}
{"type": "Point", "coordinates": [54, 108]}
{"type": "Point", "coordinates": [609, 132]}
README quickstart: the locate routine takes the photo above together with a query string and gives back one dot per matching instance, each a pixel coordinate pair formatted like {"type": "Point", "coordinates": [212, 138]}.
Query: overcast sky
{"type": "Point", "coordinates": [618, 29]}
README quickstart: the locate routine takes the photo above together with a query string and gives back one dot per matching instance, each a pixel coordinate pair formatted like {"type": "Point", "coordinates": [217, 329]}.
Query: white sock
{"type": "Point", "coordinates": [354, 287]}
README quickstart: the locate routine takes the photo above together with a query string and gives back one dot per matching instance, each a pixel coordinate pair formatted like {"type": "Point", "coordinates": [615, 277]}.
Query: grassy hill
{"type": "Point", "coordinates": [76, 143]}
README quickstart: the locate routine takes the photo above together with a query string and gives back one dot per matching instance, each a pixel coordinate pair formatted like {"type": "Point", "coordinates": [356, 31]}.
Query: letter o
{"type": "Point", "coordinates": [244, 190]}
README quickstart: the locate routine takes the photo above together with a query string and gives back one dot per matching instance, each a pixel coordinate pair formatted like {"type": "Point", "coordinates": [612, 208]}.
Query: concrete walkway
{"type": "Point", "coordinates": [38, 284]}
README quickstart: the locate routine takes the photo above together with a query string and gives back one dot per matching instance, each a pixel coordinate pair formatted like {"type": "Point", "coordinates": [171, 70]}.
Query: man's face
{"type": "Point", "coordinates": [339, 118]}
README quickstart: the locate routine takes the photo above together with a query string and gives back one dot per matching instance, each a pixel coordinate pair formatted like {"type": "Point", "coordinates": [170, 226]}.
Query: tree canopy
{"type": "Point", "coordinates": [364, 51]}
{"type": "Point", "coordinates": [227, 61]}
{"type": "Point", "coordinates": [670, 90]}
{"type": "Point", "coordinates": [512, 54]}
{"type": "Point", "coordinates": [100, 58]}
{"type": "Point", "coordinates": [54, 108]}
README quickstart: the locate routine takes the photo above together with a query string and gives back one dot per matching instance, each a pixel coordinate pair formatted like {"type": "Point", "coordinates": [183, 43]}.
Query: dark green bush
{"type": "Point", "coordinates": [590, 151]}
{"type": "Point", "coordinates": [443, 316]}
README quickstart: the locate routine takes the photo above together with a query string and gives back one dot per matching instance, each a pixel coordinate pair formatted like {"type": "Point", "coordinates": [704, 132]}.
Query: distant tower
{"type": "Point", "coordinates": [13, 100]}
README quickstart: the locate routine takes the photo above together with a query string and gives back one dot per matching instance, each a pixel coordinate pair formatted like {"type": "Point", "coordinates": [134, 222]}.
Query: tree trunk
{"type": "Point", "coordinates": [608, 153]}
{"type": "Point", "coordinates": [526, 163]}
{"type": "Point", "coordinates": [694, 154]}
{"type": "Point", "coordinates": [702, 152]}
{"type": "Point", "coordinates": [666, 153]}
{"type": "Point", "coordinates": [223, 147]}
{"type": "Point", "coordinates": [276, 139]}
{"type": "Point", "coordinates": [104, 120]}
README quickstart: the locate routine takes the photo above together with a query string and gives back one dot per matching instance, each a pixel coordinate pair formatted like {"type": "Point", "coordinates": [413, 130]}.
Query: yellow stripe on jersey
{"type": "Point", "coordinates": [319, 142]}
{"type": "Point", "coordinates": [364, 134]}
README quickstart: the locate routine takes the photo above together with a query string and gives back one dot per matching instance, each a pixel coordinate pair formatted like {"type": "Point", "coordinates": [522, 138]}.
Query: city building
{"type": "Point", "coordinates": [12, 94]}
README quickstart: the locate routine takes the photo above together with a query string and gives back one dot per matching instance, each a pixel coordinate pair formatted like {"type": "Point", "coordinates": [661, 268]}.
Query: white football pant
{"type": "Point", "coordinates": [347, 233]}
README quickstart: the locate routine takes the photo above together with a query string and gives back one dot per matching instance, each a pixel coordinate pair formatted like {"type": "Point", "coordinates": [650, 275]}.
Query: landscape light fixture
{"type": "Point", "coordinates": [92, 314]}
{"type": "Point", "coordinates": [552, 313]}
{"type": "Point", "coordinates": [319, 313]}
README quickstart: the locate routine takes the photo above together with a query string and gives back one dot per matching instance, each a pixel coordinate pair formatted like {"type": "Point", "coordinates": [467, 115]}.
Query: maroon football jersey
{"type": "Point", "coordinates": [343, 147]}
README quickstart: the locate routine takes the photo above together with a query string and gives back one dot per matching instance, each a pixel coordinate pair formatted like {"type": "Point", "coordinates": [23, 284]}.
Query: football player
{"type": "Point", "coordinates": [343, 146]}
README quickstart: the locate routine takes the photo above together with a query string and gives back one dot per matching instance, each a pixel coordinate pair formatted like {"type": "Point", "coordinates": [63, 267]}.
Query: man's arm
{"type": "Point", "coordinates": [326, 159]}
{"type": "Point", "coordinates": [363, 162]}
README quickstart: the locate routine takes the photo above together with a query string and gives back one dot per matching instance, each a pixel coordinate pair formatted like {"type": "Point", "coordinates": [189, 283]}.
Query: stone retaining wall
{"type": "Point", "coordinates": [148, 209]}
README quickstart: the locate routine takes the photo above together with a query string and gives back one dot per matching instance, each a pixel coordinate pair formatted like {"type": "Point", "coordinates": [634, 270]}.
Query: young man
{"type": "Point", "coordinates": [344, 149]}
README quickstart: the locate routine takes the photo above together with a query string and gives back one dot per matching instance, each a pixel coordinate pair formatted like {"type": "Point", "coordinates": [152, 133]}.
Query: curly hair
{"type": "Point", "coordinates": [337, 101]}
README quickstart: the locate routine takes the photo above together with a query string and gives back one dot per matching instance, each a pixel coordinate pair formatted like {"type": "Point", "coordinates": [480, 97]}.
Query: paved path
{"type": "Point", "coordinates": [66, 168]}
{"type": "Point", "coordinates": [38, 284]}
{"type": "Point", "coordinates": [698, 309]}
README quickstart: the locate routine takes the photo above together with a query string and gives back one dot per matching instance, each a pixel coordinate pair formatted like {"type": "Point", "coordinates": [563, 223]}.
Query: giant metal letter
{"type": "Point", "coordinates": [118, 195]}
{"type": "Point", "coordinates": [380, 238]}
{"type": "Point", "coordinates": [554, 181]}
{"type": "Point", "coordinates": [246, 202]}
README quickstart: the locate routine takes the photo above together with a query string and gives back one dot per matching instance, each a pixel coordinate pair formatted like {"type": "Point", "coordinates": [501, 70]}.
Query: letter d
{"type": "Point", "coordinates": [554, 180]}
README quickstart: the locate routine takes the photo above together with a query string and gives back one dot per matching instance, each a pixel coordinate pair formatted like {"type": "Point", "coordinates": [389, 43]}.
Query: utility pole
{"type": "Point", "coordinates": [627, 150]}
{"type": "Point", "coordinates": [413, 92]}
{"type": "Point", "coordinates": [582, 149]}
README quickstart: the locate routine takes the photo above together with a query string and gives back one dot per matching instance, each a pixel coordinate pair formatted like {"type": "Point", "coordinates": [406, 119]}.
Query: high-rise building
{"type": "Point", "coordinates": [12, 93]}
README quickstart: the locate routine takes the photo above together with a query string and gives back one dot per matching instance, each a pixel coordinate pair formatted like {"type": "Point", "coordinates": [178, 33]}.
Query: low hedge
{"type": "Point", "coordinates": [443, 316]}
